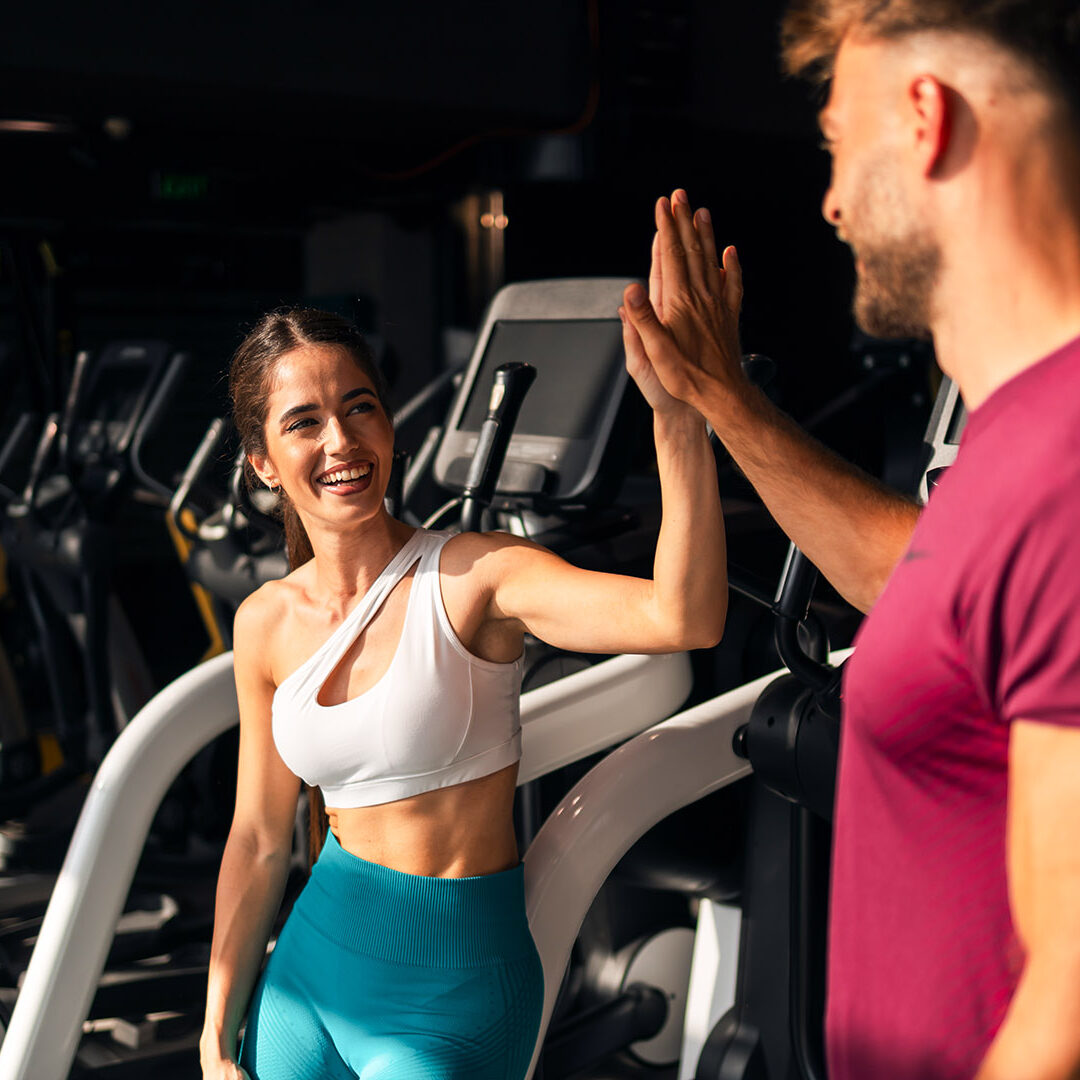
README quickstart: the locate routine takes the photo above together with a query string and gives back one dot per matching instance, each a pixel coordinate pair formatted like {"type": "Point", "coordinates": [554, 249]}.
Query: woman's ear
{"type": "Point", "coordinates": [264, 470]}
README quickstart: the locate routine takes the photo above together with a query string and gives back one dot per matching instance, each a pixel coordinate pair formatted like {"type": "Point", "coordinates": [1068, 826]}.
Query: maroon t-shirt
{"type": "Point", "coordinates": [978, 626]}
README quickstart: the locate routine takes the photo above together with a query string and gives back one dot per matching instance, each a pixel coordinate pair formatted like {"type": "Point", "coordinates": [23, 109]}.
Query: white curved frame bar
{"type": "Point", "coordinates": [593, 709]}
{"type": "Point", "coordinates": [665, 768]}
{"type": "Point", "coordinates": [673, 764]}
{"type": "Point", "coordinates": [89, 894]}
{"type": "Point", "coordinates": [561, 722]}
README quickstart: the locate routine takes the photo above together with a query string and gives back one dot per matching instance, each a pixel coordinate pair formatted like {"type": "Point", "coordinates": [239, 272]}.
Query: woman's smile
{"type": "Point", "coordinates": [347, 479]}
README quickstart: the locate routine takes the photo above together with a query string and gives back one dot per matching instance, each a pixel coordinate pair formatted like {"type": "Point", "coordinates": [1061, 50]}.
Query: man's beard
{"type": "Point", "coordinates": [899, 261]}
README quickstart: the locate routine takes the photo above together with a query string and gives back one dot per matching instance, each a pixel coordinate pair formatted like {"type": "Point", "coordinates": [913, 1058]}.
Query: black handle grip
{"type": "Point", "coordinates": [759, 369]}
{"type": "Point", "coordinates": [792, 606]}
{"type": "Point", "coordinates": [509, 387]}
{"type": "Point", "coordinates": [796, 587]}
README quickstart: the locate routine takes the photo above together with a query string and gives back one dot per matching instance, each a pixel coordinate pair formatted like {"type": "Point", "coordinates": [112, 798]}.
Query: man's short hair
{"type": "Point", "coordinates": [1045, 34]}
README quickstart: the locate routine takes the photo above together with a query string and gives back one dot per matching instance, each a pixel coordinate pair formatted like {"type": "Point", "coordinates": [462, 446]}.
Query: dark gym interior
{"type": "Point", "coordinates": [168, 174]}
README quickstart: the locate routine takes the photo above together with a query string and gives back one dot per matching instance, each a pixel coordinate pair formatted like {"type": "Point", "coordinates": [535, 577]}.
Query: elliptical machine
{"type": "Point", "coordinates": [619, 697]}
{"type": "Point", "coordinates": [775, 1027]}
{"type": "Point", "coordinates": [650, 776]}
{"type": "Point", "coordinates": [59, 500]}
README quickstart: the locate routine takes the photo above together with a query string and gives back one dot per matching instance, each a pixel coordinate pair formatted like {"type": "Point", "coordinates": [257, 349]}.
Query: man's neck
{"type": "Point", "coordinates": [1008, 300]}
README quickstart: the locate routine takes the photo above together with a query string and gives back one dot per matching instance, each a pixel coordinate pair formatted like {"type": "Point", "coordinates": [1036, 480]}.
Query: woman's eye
{"type": "Point", "coordinates": [363, 407]}
{"type": "Point", "coordinates": [296, 425]}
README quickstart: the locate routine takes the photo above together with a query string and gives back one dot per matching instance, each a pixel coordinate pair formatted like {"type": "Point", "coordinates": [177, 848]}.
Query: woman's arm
{"type": "Point", "coordinates": [683, 606]}
{"type": "Point", "coordinates": [256, 860]}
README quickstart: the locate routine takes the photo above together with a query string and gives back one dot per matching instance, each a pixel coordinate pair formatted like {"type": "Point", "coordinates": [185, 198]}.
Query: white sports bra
{"type": "Point", "coordinates": [438, 716]}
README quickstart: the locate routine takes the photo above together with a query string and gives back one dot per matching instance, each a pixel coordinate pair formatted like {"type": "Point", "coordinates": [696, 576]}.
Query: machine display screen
{"type": "Point", "coordinates": [576, 362]}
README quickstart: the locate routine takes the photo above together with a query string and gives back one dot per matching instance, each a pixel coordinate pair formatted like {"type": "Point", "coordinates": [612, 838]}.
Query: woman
{"type": "Point", "coordinates": [386, 669]}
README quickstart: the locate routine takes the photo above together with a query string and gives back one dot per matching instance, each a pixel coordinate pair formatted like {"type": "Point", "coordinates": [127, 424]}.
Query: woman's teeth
{"type": "Point", "coordinates": [343, 475]}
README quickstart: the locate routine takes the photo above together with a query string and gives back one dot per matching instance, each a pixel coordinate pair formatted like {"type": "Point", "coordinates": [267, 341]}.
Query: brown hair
{"type": "Point", "coordinates": [250, 379]}
{"type": "Point", "coordinates": [1044, 34]}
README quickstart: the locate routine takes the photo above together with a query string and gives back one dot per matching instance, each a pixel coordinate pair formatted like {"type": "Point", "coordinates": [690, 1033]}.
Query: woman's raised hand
{"type": "Point", "coordinates": [688, 324]}
{"type": "Point", "coordinates": [641, 371]}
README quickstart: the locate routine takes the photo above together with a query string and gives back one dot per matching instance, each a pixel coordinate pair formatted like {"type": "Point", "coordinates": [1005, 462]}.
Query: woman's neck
{"type": "Point", "coordinates": [346, 563]}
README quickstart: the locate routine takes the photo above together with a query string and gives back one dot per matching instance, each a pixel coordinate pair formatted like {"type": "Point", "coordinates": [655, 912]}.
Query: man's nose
{"type": "Point", "coordinates": [830, 207]}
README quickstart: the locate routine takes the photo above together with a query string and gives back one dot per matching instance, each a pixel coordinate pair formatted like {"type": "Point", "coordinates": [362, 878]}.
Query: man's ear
{"type": "Point", "coordinates": [931, 120]}
{"type": "Point", "coordinates": [263, 470]}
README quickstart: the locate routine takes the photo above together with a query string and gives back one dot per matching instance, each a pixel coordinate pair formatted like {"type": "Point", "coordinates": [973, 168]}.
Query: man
{"type": "Point", "coordinates": [954, 944]}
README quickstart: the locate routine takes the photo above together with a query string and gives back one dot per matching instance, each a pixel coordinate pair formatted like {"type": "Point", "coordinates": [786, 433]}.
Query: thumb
{"type": "Point", "coordinates": [643, 315]}
{"type": "Point", "coordinates": [648, 331]}
{"type": "Point", "coordinates": [636, 357]}
{"type": "Point", "coordinates": [733, 283]}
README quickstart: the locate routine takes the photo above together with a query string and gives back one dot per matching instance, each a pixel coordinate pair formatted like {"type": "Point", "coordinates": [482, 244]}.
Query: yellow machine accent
{"type": "Point", "coordinates": [52, 757]}
{"type": "Point", "coordinates": [202, 597]}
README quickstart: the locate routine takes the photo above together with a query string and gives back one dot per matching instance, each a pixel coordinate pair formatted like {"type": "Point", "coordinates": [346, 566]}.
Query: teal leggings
{"type": "Point", "coordinates": [381, 975]}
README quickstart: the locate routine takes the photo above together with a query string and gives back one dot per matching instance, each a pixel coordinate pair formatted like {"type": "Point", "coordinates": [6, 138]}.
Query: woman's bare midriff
{"type": "Point", "coordinates": [459, 831]}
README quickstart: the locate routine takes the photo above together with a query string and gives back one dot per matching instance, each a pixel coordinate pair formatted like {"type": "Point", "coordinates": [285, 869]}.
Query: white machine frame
{"type": "Point", "coordinates": [618, 698]}
{"type": "Point", "coordinates": [659, 769]}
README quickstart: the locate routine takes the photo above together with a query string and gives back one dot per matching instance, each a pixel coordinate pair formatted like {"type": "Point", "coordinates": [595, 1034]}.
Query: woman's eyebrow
{"type": "Point", "coordinates": [296, 410]}
{"type": "Point", "coordinates": [350, 394]}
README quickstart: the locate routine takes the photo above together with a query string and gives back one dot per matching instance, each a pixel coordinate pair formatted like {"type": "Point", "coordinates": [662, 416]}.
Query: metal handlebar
{"type": "Point", "coordinates": [440, 385]}
{"type": "Point", "coordinates": [211, 441]}
{"type": "Point", "coordinates": [46, 443]}
{"type": "Point", "coordinates": [177, 366]}
{"type": "Point", "coordinates": [240, 498]}
{"type": "Point", "coordinates": [71, 409]}
{"type": "Point", "coordinates": [23, 428]}
{"type": "Point", "coordinates": [509, 387]}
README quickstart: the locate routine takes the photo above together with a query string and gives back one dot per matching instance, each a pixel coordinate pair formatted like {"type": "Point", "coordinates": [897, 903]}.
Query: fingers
{"type": "Point", "coordinates": [643, 319]}
{"type": "Point", "coordinates": [714, 276]}
{"type": "Point", "coordinates": [733, 284]}
{"type": "Point", "coordinates": [642, 370]}
{"type": "Point", "coordinates": [637, 359]}
{"type": "Point", "coordinates": [641, 312]}
{"type": "Point", "coordinates": [672, 253]}
{"type": "Point", "coordinates": [656, 278]}
{"type": "Point", "coordinates": [691, 242]}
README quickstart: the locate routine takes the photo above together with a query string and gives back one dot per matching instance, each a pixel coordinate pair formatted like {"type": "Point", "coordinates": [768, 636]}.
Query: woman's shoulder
{"type": "Point", "coordinates": [266, 614]}
{"type": "Point", "coordinates": [467, 551]}
{"type": "Point", "coordinates": [473, 565]}
{"type": "Point", "coordinates": [270, 600]}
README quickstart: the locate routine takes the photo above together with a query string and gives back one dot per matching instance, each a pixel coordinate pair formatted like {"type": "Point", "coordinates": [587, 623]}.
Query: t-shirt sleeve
{"type": "Point", "coordinates": [1023, 625]}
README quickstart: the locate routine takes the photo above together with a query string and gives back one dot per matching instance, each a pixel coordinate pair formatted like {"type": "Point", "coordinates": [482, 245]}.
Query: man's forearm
{"type": "Point", "coordinates": [848, 524]}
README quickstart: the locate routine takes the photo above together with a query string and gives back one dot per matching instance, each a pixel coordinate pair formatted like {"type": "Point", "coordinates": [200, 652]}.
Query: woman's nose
{"type": "Point", "coordinates": [338, 439]}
